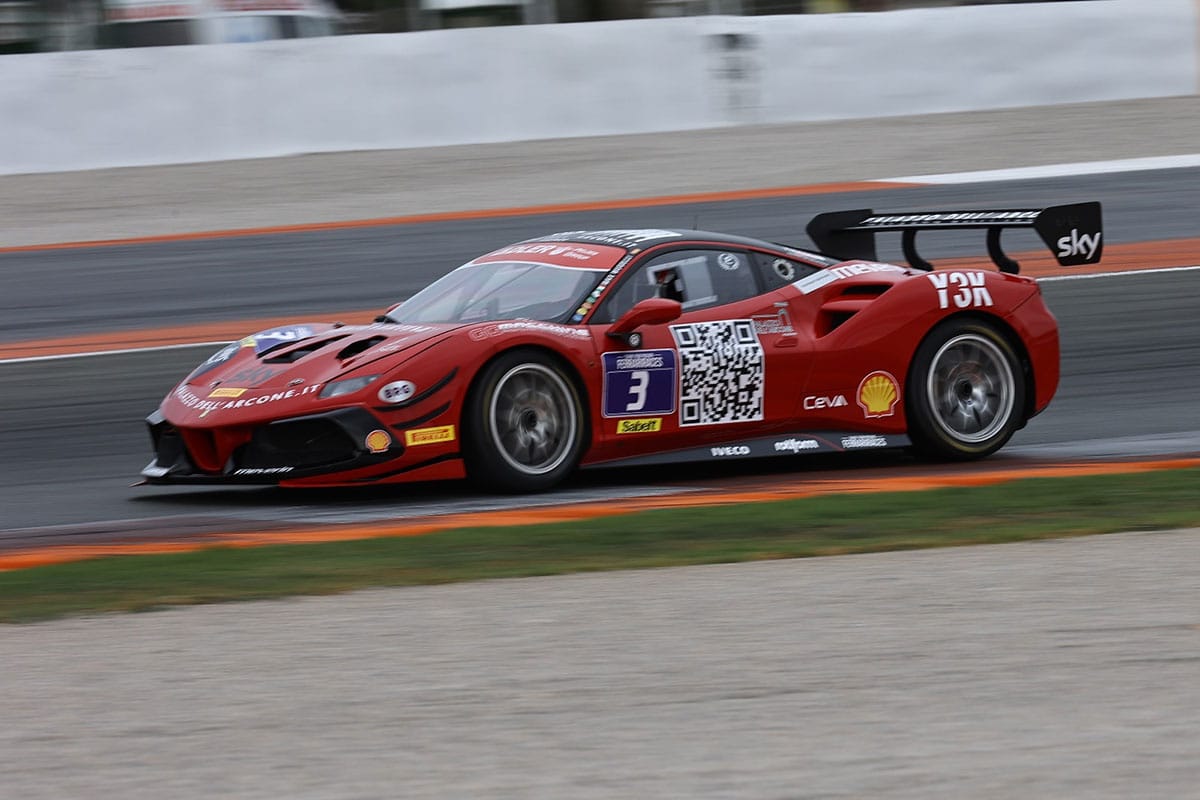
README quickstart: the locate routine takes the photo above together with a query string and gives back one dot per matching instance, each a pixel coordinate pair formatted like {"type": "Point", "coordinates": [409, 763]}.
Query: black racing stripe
{"type": "Point", "coordinates": [412, 423]}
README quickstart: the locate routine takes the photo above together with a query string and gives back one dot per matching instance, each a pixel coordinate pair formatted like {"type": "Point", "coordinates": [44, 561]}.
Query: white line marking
{"type": "Point", "coordinates": [1122, 273]}
{"type": "Point", "coordinates": [124, 351]}
{"type": "Point", "coordinates": [1056, 170]}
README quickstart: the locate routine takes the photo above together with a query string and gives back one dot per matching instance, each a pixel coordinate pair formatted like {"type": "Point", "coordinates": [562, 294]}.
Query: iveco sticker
{"type": "Point", "coordinates": [419, 436]}
{"type": "Point", "coordinates": [378, 441]}
{"type": "Point", "coordinates": [653, 425]}
{"type": "Point", "coordinates": [639, 382]}
{"type": "Point", "coordinates": [397, 391]}
{"type": "Point", "coordinates": [730, 450]}
{"type": "Point", "coordinates": [963, 289]}
{"type": "Point", "coordinates": [878, 393]}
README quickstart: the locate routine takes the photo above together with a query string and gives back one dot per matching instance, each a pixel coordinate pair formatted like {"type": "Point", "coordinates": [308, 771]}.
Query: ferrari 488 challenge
{"type": "Point", "coordinates": [614, 347]}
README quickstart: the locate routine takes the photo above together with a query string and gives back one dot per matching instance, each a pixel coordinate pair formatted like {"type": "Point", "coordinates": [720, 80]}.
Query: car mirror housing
{"type": "Point", "coordinates": [652, 311]}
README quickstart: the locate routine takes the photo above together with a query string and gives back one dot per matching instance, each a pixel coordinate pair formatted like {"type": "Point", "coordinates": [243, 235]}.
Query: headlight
{"type": "Point", "coordinates": [346, 386]}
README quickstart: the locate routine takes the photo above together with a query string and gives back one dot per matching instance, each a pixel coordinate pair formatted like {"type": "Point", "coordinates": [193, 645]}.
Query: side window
{"type": "Point", "coordinates": [696, 278]}
{"type": "Point", "coordinates": [778, 272]}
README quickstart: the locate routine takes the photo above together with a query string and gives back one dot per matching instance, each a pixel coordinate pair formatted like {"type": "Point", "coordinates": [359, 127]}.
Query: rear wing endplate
{"type": "Point", "coordinates": [1071, 232]}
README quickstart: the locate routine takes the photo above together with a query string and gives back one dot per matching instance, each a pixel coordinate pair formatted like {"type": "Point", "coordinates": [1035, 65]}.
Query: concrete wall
{"type": "Point", "coordinates": [90, 109]}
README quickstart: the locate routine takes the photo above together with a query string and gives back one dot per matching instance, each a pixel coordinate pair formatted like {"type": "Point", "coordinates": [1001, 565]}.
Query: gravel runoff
{"type": "Point", "coordinates": [1062, 668]}
{"type": "Point", "coordinates": [148, 201]}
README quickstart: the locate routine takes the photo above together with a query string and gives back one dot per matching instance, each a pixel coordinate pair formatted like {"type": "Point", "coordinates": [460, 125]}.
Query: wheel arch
{"type": "Point", "coordinates": [571, 370]}
{"type": "Point", "coordinates": [1010, 335]}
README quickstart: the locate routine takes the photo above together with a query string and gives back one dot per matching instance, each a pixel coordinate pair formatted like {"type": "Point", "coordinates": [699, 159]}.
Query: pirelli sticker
{"type": "Point", "coordinates": [420, 436]}
{"type": "Point", "coordinates": [652, 425]}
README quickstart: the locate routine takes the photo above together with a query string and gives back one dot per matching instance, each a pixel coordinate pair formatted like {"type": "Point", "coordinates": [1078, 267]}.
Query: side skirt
{"type": "Point", "coordinates": [783, 444]}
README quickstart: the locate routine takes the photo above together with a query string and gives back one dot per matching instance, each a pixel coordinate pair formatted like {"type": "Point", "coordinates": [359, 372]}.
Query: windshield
{"type": "Point", "coordinates": [500, 290]}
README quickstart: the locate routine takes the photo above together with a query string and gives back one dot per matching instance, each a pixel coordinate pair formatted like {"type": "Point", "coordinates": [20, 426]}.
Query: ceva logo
{"type": "Point", "coordinates": [1078, 244]}
{"type": "Point", "coordinates": [814, 402]}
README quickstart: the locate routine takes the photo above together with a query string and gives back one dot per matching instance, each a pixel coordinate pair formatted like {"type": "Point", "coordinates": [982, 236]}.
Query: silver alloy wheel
{"type": "Point", "coordinates": [970, 388]}
{"type": "Point", "coordinates": [534, 418]}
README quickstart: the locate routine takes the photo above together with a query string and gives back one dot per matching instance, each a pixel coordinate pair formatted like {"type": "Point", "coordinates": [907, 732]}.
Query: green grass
{"type": "Point", "coordinates": [835, 524]}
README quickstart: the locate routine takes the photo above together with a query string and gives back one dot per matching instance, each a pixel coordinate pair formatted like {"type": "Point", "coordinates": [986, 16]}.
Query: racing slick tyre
{"type": "Point", "coordinates": [524, 423]}
{"type": "Point", "coordinates": [966, 391]}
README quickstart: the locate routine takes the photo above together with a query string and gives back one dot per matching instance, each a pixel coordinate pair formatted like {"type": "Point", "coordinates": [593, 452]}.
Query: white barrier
{"type": "Point", "coordinates": [91, 109]}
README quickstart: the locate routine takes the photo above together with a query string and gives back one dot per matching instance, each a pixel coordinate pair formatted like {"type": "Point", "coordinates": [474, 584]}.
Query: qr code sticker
{"type": "Point", "coordinates": [721, 375]}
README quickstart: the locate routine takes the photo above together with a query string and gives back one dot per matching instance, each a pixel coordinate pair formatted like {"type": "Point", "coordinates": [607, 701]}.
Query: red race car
{"type": "Point", "coordinates": [619, 347]}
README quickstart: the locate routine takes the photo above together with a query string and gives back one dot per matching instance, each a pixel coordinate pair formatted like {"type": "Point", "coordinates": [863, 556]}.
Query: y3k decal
{"type": "Point", "coordinates": [960, 289]}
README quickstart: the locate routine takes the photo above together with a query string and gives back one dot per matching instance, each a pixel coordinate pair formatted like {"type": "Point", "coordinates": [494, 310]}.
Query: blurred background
{"type": "Point", "coordinates": [29, 26]}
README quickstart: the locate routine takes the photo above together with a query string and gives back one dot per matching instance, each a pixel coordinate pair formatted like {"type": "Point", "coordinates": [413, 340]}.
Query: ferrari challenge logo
{"type": "Point", "coordinates": [878, 393]}
{"type": "Point", "coordinates": [418, 436]}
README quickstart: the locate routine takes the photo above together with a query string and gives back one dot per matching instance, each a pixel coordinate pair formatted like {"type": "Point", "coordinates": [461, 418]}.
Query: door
{"type": "Point", "coordinates": [728, 368]}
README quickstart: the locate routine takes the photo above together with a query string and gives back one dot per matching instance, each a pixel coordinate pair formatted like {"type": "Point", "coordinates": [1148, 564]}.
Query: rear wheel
{"type": "Point", "coordinates": [966, 391]}
{"type": "Point", "coordinates": [525, 423]}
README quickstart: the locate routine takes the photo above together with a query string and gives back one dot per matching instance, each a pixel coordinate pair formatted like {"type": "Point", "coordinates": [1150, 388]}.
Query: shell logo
{"type": "Point", "coordinates": [378, 441]}
{"type": "Point", "coordinates": [878, 393]}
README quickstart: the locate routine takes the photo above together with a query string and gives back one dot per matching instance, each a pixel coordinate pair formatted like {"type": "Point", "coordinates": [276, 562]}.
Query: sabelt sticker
{"type": "Point", "coordinates": [420, 436]}
{"type": "Point", "coordinates": [653, 425]}
{"type": "Point", "coordinates": [878, 394]}
{"type": "Point", "coordinates": [397, 391]}
{"type": "Point", "coordinates": [378, 441]}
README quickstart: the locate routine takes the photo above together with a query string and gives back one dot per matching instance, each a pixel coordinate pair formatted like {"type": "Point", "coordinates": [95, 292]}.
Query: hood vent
{"type": "Point", "coordinates": [306, 348]}
{"type": "Point", "coordinates": [354, 348]}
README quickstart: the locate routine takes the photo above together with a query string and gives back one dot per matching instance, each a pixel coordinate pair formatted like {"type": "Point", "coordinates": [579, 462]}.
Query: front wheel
{"type": "Point", "coordinates": [524, 422]}
{"type": "Point", "coordinates": [966, 391]}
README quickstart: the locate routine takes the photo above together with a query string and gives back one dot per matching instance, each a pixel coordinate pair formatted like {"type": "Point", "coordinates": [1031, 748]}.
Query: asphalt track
{"type": "Point", "coordinates": [1057, 669]}
{"type": "Point", "coordinates": [1131, 347]}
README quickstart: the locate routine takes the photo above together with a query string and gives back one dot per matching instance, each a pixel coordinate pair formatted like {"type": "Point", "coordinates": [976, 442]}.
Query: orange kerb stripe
{"type": "Point", "coordinates": [23, 559]}
{"type": "Point", "coordinates": [1036, 263]}
{"type": "Point", "coordinates": [455, 216]}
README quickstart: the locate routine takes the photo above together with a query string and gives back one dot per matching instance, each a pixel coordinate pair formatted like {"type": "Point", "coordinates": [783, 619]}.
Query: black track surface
{"type": "Point", "coordinates": [71, 433]}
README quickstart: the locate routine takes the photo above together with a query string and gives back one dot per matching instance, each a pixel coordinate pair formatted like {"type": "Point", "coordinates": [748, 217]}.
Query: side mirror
{"type": "Point", "coordinates": [652, 311]}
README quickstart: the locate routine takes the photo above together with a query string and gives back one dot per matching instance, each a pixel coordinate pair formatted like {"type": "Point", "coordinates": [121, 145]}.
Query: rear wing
{"type": "Point", "coordinates": [1072, 232]}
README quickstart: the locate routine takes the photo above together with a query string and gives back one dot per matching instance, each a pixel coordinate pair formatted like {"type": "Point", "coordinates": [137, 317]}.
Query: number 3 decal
{"type": "Point", "coordinates": [638, 381]}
